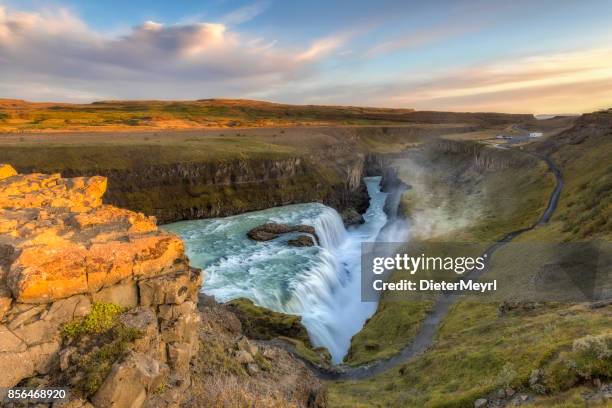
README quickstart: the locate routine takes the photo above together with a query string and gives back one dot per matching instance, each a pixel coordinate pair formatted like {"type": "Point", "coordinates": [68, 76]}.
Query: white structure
{"type": "Point", "coordinates": [536, 134]}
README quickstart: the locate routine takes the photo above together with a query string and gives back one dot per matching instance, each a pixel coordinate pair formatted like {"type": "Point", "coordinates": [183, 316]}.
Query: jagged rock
{"type": "Point", "coordinates": [35, 360]}
{"type": "Point", "coordinates": [50, 190]}
{"type": "Point", "coordinates": [480, 403]}
{"type": "Point", "coordinates": [5, 302]}
{"type": "Point", "coordinates": [145, 321]}
{"type": "Point", "coordinates": [246, 345]}
{"type": "Point", "coordinates": [269, 231]}
{"type": "Point", "coordinates": [21, 314]}
{"type": "Point", "coordinates": [169, 289]}
{"type": "Point", "coordinates": [65, 357]}
{"type": "Point", "coordinates": [301, 241]}
{"type": "Point", "coordinates": [73, 402]}
{"type": "Point", "coordinates": [350, 216]}
{"type": "Point", "coordinates": [125, 295]}
{"type": "Point", "coordinates": [243, 357]}
{"type": "Point", "coordinates": [179, 355]}
{"type": "Point", "coordinates": [69, 309]}
{"type": "Point", "coordinates": [129, 381]}
{"type": "Point", "coordinates": [61, 250]}
{"type": "Point", "coordinates": [59, 240]}
{"type": "Point", "coordinates": [38, 332]}
{"type": "Point", "coordinates": [252, 368]}
{"type": "Point", "coordinates": [9, 342]}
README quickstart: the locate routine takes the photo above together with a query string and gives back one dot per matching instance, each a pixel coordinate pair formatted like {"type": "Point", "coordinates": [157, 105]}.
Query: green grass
{"type": "Point", "coordinates": [386, 333]}
{"type": "Point", "coordinates": [123, 155]}
{"type": "Point", "coordinates": [264, 324]}
{"type": "Point", "coordinates": [476, 353]}
{"type": "Point", "coordinates": [102, 317]}
{"type": "Point", "coordinates": [585, 208]}
{"type": "Point", "coordinates": [477, 350]}
{"type": "Point", "coordinates": [100, 340]}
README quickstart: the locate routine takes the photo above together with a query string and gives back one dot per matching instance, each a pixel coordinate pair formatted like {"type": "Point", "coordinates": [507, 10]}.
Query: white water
{"type": "Point", "coordinates": [320, 283]}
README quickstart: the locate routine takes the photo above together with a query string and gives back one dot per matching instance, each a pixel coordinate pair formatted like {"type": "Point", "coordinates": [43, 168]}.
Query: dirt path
{"type": "Point", "coordinates": [426, 335]}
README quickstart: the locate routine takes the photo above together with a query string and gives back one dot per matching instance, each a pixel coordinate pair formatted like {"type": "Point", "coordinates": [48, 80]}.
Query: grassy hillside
{"type": "Point", "coordinates": [21, 116]}
{"type": "Point", "coordinates": [551, 353]}
{"type": "Point", "coordinates": [451, 201]}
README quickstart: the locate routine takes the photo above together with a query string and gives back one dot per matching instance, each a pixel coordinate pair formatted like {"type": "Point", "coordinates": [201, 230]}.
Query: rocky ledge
{"type": "Point", "coordinates": [270, 231]}
{"type": "Point", "coordinates": [92, 297]}
{"type": "Point", "coordinates": [99, 300]}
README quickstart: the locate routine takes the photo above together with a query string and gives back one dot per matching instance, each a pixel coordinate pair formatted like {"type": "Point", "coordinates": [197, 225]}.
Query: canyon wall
{"type": "Point", "coordinates": [479, 156]}
{"type": "Point", "coordinates": [182, 191]}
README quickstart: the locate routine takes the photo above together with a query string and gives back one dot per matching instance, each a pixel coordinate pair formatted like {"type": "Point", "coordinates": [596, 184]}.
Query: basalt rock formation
{"type": "Point", "coordinates": [63, 256]}
{"type": "Point", "coordinates": [99, 300]}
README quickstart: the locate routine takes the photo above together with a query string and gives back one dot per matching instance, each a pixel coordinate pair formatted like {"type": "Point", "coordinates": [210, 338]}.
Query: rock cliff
{"type": "Point", "coordinates": [97, 299]}
{"type": "Point", "coordinates": [180, 191]}
{"type": "Point", "coordinates": [63, 256]}
{"type": "Point", "coordinates": [480, 157]}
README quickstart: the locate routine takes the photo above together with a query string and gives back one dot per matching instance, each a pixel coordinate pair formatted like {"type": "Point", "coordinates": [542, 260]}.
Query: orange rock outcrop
{"type": "Point", "coordinates": [57, 239]}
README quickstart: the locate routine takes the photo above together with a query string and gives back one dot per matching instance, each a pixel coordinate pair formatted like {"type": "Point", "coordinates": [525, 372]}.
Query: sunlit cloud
{"type": "Point", "coordinates": [53, 54]}
{"type": "Point", "coordinates": [504, 84]}
{"type": "Point", "coordinates": [420, 38]}
{"type": "Point", "coordinates": [56, 47]}
{"type": "Point", "coordinates": [321, 48]}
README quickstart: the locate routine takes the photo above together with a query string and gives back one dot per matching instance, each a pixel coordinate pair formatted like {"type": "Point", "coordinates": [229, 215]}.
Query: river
{"type": "Point", "coordinates": [320, 283]}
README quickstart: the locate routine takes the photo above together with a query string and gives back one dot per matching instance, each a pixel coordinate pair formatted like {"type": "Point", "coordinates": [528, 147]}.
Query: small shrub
{"type": "Point", "coordinates": [507, 375]}
{"type": "Point", "coordinates": [593, 356]}
{"type": "Point", "coordinates": [102, 317]}
{"type": "Point", "coordinates": [95, 366]}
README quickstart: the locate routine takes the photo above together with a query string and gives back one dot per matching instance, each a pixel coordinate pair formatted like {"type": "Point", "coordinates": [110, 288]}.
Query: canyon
{"type": "Point", "coordinates": [98, 299]}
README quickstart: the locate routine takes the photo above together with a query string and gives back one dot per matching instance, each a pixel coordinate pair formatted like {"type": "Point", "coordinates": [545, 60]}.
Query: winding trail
{"type": "Point", "coordinates": [426, 335]}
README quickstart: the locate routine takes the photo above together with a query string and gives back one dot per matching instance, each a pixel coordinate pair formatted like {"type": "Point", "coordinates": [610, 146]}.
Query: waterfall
{"type": "Point", "coordinates": [319, 283]}
{"type": "Point", "coordinates": [330, 229]}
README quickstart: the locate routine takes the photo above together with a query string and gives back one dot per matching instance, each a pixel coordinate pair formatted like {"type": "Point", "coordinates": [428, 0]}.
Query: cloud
{"type": "Point", "coordinates": [246, 13]}
{"type": "Point", "coordinates": [321, 48]}
{"type": "Point", "coordinates": [530, 83]}
{"type": "Point", "coordinates": [420, 38]}
{"type": "Point", "coordinates": [570, 81]}
{"type": "Point", "coordinates": [56, 48]}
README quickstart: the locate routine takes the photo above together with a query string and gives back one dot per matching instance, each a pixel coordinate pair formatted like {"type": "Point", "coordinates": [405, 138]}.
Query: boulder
{"type": "Point", "coordinates": [350, 216]}
{"type": "Point", "coordinates": [269, 231]}
{"type": "Point", "coordinates": [179, 355]}
{"type": "Point", "coordinates": [480, 403]}
{"type": "Point", "coordinates": [129, 382]}
{"type": "Point", "coordinates": [301, 241]}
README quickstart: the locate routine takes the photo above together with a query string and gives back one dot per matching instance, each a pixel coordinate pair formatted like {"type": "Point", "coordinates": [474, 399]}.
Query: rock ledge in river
{"type": "Point", "coordinates": [270, 231]}
{"type": "Point", "coordinates": [301, 241]}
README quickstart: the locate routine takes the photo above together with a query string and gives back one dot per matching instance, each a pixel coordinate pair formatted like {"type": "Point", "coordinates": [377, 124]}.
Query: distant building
{"type": "Point", "coordinates": [536, 134]}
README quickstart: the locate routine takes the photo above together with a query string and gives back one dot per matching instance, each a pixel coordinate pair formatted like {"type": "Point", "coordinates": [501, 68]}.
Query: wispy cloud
{"type": "Point", "coordinates": [420, 38]}
{"type": "Point", "coordinates": [321, 48]}
{"type": "Point", "coordinates": [246, 13]}
{"type": "Point", "coordinates": [570, 81]}
{"type": "Point", "coordinates": [504, 83]}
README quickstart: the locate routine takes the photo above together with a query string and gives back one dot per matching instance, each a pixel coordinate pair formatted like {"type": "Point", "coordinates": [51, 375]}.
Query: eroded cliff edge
{"type": "Point", "coordinates": [97, 299]}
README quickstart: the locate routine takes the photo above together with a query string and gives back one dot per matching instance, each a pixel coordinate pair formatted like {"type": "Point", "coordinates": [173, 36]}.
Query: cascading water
{"type": "Point", "coordinates": [320, 283]}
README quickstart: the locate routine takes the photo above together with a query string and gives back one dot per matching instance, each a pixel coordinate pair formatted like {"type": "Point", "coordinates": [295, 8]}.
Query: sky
{"type": "Point", "coordinates": [527, 56]}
